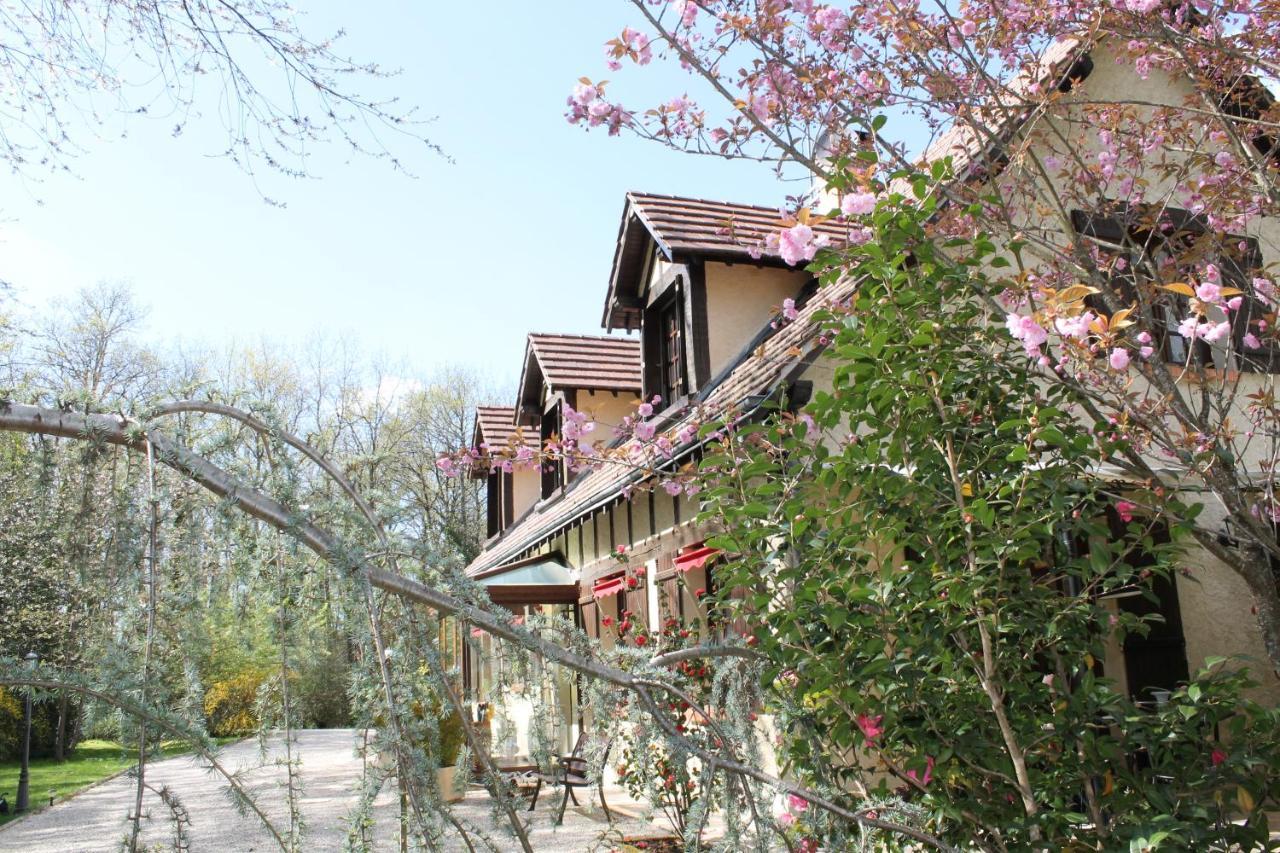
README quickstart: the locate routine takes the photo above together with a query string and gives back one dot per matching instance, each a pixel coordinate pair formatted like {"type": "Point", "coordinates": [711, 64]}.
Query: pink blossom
{"type": "Point", "coordinates": [797, 803]}
{"type": "Point", "coordinates": [1027, 330]}
{"type": "Point", "coordinates": [870, 726]}
{"type": "Point", "coordinates": [1144, 337]}
{"type": "Point", "coordinates": [1125, 510]}
{"type": "Point", "coordinates": [672, 487]}
{"type": "Point", "coordinates": [645, 410]}
{"type": "Point", "coordinates": [1208, 292]}
{"type": "Point", "coordinates": [786, 818]}
{"type": "Point", "coordinates": [968, 28]}
{"type": "Point", "coordinates": [1234, 303]}
{"type": "Point", "coordinates": [1146, 352]}
{"type": "Point", "coordinates": [1217, 331]}
{"type": "Point", "coordinates": [1119, 358]}
{"type": "Point", "coordinates": [789, 309]}
{"type": "Point", "coordinates": [447, 466]}
{"type": "Point", "coordinates": [1191, 328]}
{"type": "Point", "coordinates": [645, 430]}
{"type": "Point", "coordinates": [858, 204]}
{"type": "Point", "coordinates": [1217, 757]}
{"type": "Point", "coordinates": [797, 243]}
{"type": "Point", "coordinates": [1074, 327]}
{"type": "Point", "coordinates": [1251, 341]}
{"type": "Point", "coordinates": [928, 772]}
{"type": "Point", "coordinates": [1224, 159]}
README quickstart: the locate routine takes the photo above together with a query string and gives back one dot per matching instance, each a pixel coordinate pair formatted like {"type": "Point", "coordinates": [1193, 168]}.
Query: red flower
{"type": "Point", "coordinates": [631, 583]}
{"type": "Point", "coordinates": [699, 592]}
{"type": "Point", "coordinates": [641, 639]}
{"type": "Point", "coordinates": [607, 621]}
{"type": "Point", "coordinates": [871, 726]}
{"type": "Point", "coordinates": [1217, 757]}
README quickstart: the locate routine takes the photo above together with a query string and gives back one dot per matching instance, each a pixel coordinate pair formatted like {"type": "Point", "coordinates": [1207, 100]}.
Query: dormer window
{"type": "Point", "coordinates": [552, 469]}
{"type": "Point", "coordinates": [673, 381]}
{"type": "Point", "coordinates": [666, 348]}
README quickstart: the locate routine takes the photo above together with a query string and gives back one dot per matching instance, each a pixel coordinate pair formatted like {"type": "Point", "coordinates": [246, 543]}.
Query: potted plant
{"type": "Point", "coordinates": [451, 740]}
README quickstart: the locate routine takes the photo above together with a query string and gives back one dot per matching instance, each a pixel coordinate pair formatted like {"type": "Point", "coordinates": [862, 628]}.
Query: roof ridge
{"type": "Point", "coordinates": [634, 194]}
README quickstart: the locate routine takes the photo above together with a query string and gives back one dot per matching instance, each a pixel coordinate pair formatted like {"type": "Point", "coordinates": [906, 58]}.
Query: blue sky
{"type": "Point", "coordinates": [453, 266]}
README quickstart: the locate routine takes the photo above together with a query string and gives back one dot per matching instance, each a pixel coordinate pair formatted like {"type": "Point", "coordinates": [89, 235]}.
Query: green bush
{"type": "Point", "coordinates": [230, 706]}
{"type": "Point", "coordinates": [452, 737]}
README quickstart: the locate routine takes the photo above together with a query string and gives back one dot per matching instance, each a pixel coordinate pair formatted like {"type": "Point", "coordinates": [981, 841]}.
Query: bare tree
{"type": "Point", "coordinates": [67, 66]}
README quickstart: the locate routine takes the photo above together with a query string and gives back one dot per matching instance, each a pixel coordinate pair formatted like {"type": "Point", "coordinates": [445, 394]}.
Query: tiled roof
{"type": "Point", "coordinates": [496, 427]}
{"type": "Point", "coordinates": [756, 373]}
{"type": "Point", "coordinates": [1005, 114]}
{"type": "Point", "coordinates": [598, 362]}
{"type": "Point", "coordinates": [683, 228]}
{"type": "Point", "coordinates": [695, 226]}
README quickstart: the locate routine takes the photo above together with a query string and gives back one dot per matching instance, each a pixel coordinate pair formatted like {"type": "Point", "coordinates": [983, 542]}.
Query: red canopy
{"type": "Point", "coordinates": [611, 585]}
{"type": "Point", "coordinates": [695, 558]}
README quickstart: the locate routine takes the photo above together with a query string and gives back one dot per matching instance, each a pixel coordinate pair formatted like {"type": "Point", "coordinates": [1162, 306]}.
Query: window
{"type": "Point", "coordinates": [501, 504]}
{"type": "Point", "coordinates": [1174, 246]}
{"type": "Point", "coordinates": [665, 351]}
{"type": "Point", "coordinates": [552, 469]}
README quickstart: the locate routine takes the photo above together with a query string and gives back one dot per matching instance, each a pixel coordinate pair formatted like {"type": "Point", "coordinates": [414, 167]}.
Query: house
{"type": "Point", "coordinates": [702, 304]}
{"type": "Point", "coordinates": [689, 278]}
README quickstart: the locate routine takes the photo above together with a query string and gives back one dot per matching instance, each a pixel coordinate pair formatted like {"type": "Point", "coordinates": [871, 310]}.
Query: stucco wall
{"type": "Point", "coordinates": [526, 488]}
{"type": "Point", "coordinates": [740, 301]}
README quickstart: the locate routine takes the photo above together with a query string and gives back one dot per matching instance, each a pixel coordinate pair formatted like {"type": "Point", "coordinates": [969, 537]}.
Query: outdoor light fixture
{"type": "Point", "coordinates": [24, 775]}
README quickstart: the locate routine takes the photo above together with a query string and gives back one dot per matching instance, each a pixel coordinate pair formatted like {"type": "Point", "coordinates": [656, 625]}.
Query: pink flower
{"type": "Point", "coordinates": [645, 410]}
{"type": "Point", "coordinates": [786, 818]}
{"type": "Point", "coordinates": [1251, 341]}
{"type": "Point", "coordinates": [789, 309]}
{"type": "Point", "coordinates": [1217, 757]}
{"type": "Point", "coordinates": [797, 803]}
{"type": "Point", "coordinates": [645, 430]}
{"type": "Point", "coordinates": [1125, 510]}
{"type": "Point", "coordinates": [858, 204]}
{"type": "Point", "coordinates": [870, 726]}
{"type": "Point", "coordinates": [1146, 352]}
{"type": "Point", "coordinates": [1217, 331]}
{"type": "Point", "coordinates": [1208, 292]}
{"type": "Point", "coordinates": [672, 487]}
{"type": "Point", "coordinates": [928, 772]}
{"type": "Point", "coordinates": [1191, 328]}
{"type": "Point", "coordinates": [1235, 302]}
{"type": "Point", "coordinates": [1027, 330]}
{"type": "Point", "coordinates": [968, 28]}
{"type": "Point", "coordinates": [447, 466]}
{"type": "Point", "coordinates": [1074, 327]}
{"type": "Point", "coordinates": [796, 244]}
{"type": "Point", "coordinates": [622, 549]}
{"type": "Point", "coordinates": [1119, 358]}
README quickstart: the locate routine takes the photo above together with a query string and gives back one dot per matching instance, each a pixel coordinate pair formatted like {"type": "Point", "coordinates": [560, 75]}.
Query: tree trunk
{"type": "Point", "coordinates": [1254, 566]}
{"type": "Point", "coordinates": [60, 743]}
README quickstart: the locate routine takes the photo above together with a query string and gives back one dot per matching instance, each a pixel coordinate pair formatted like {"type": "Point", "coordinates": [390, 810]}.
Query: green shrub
{"type": "Point", "coordinates": [10, 725]}
{"type": "Point", "coordinates": [452, 737]}
{"type": "Point", "coordinates": [230, 706]}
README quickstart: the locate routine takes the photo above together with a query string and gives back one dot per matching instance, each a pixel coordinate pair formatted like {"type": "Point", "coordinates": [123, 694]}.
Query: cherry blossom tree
{"type": "Point", "coordinates": [1120, 157]}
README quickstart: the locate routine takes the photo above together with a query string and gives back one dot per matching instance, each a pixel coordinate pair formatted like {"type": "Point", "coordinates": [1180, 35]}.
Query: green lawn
{"type": "Point", "coordinates": [92, 761]}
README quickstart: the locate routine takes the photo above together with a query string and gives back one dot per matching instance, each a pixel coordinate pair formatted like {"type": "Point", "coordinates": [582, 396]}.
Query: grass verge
{"type": "Point", "coordinates": [92, 761]}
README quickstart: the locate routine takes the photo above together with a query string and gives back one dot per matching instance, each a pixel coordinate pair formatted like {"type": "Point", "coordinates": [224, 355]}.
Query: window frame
{"type": "Point", "coordinates": [1116, 237]}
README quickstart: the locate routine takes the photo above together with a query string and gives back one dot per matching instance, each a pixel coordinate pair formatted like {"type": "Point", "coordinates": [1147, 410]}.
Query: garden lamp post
{"type": "Point", "coordinates": [24, 776]}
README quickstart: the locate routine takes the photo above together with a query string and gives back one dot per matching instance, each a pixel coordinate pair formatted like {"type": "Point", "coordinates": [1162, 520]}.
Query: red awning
{"type": "Point", "coordinates": [695, 558]}
{"type": "Point", "coordinates": [611, 585]}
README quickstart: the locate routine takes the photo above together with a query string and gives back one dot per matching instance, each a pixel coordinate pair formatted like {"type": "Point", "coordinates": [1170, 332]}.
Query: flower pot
{"type": "Point", "coordinates": [444, 780]}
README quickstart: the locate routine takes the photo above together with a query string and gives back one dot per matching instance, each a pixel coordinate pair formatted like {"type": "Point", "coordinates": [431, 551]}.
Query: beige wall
{"type": "Point", "coordinates": [606, 409]}
{"type": "Point", "coordinates": [1214, 602]}
{"type": "Point", "coordinates": [741, 299]}
{"type": "Point", "coordinates": [526, 489]}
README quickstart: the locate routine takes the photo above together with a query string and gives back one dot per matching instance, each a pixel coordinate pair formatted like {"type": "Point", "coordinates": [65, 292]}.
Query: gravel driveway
{"type": "Point", "coordinates": [96, 819]}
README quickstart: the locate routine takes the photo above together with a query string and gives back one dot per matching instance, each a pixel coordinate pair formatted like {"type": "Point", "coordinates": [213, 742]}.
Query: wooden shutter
{"type": "Point", "coordinates": [589, 621]}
